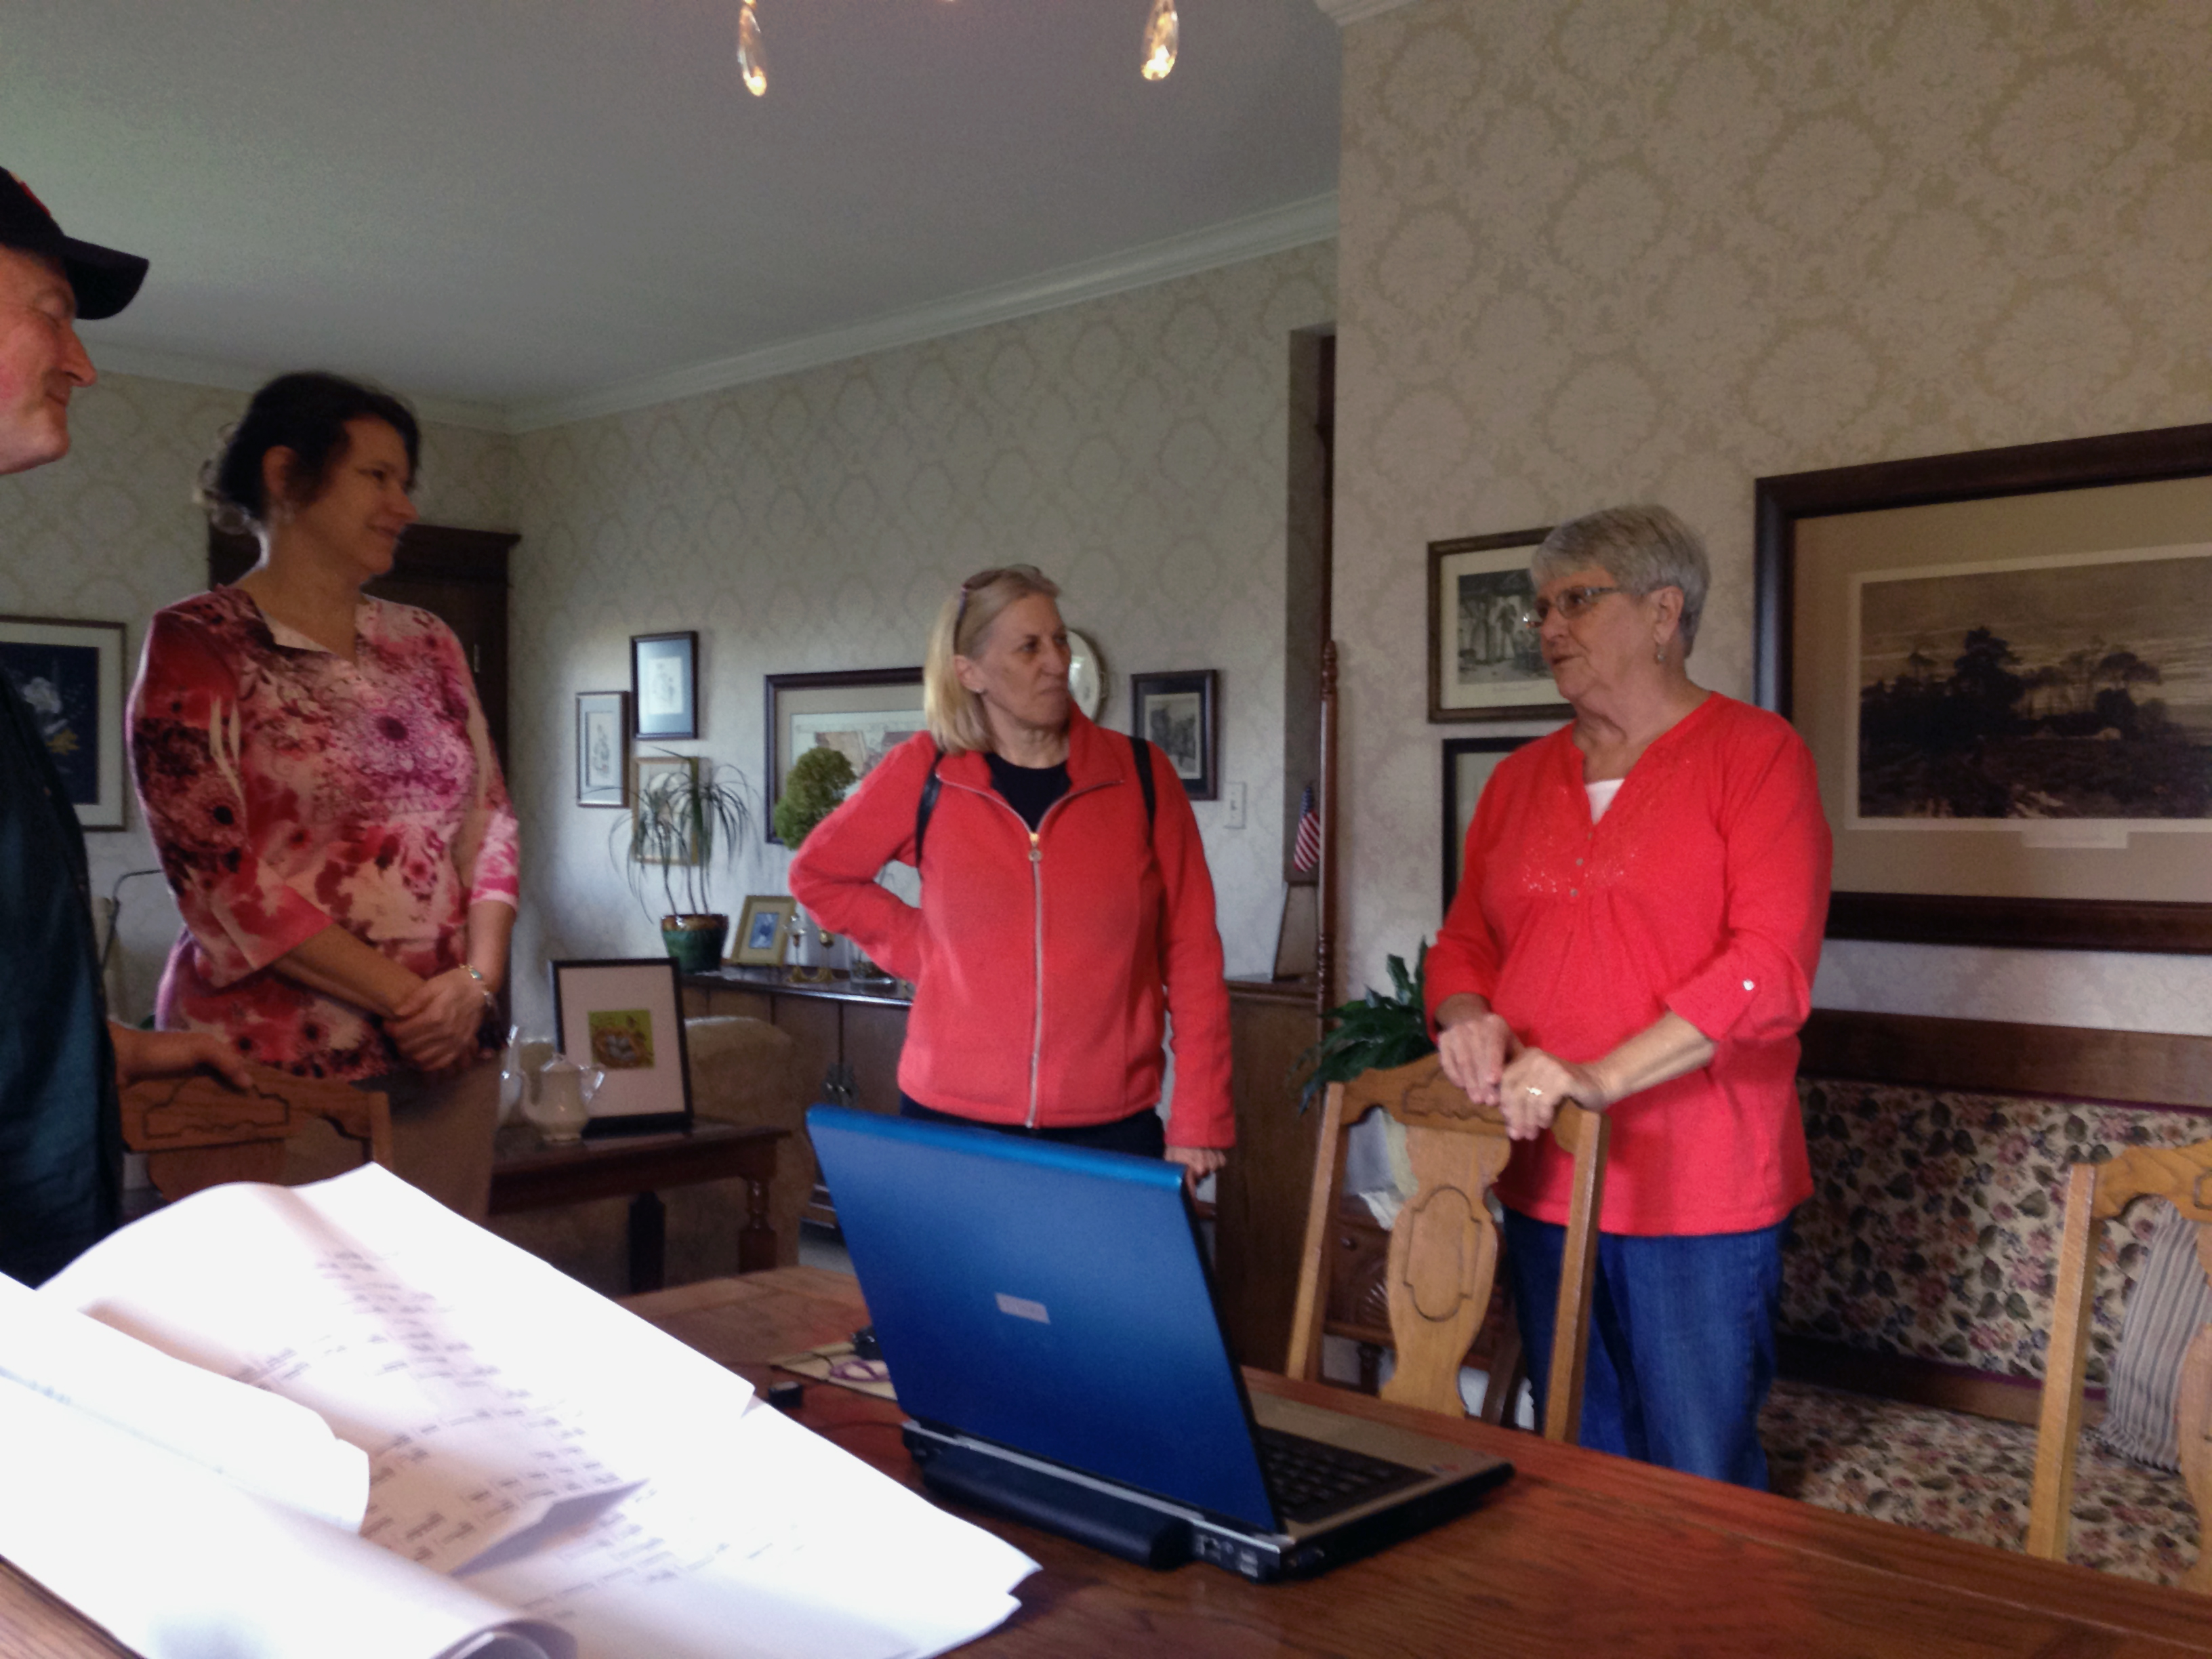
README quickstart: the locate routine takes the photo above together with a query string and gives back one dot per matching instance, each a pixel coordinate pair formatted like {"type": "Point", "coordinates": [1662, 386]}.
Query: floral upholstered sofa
{"type": "Point", "coordinates": [1928, 1252]}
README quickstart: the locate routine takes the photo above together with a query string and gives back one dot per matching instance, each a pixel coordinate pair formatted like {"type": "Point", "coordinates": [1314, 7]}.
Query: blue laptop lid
{"type": "Point", "coordinates": [1047, 1298]}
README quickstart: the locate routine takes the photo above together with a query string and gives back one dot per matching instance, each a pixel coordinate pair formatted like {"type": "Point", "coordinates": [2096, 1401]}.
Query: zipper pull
{"type": "Point", "coordinates": [1037, 853]}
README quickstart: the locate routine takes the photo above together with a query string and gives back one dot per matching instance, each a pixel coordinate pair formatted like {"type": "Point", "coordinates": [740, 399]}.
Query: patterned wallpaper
{"type": "Point", "coordinates": [1132, 447]}
{"type": "Point", "coordinates": [1593, 251]}
{"type": "Point", "coordinates": [110, 533]}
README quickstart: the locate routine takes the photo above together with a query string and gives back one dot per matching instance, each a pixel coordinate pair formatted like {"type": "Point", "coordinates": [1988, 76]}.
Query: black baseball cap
{"type": "Point", "coordinates": [105, 280]}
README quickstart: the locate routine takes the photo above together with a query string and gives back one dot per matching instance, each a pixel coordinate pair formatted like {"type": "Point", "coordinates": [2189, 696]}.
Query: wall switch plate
{"type": "Point", "coordinates": [1232, 801]}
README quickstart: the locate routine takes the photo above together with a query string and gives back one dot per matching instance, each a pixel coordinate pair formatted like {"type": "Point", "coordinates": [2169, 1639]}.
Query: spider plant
{"type": "Point", "coordinates": [685, 817]}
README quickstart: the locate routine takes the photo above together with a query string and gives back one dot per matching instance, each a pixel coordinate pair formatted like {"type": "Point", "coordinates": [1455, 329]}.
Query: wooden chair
{"type": "Point", "coordinates": [199, 1132]}
{"type": "Point", "coordinates": [2095, 1192]}
{"type": "Point", "coordinates": [1443, 1249]}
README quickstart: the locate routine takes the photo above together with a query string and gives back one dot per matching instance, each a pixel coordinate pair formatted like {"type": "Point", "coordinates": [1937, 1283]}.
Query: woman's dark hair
{"type": "Point", "coordinates": [305, 413]}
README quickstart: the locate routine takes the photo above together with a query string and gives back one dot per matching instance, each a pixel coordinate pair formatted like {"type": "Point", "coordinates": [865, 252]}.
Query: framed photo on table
{"type": "Point", "coordinates": [864, 712]}
{"type": "Point", "coordinates": [2001, 662]}
{"type": "Point", "coordinates": [664, 684]}
{"type": "Point", "coordinates": [1180, 712]}
{"type": "Point", "coordinates": [763, 931]}
{"type": "Point", "coordinates": [69, 675]}
{"type": "Point", "coordinates": [1468, 762]}
{"type": "Point", "coordinates": [624, 1017]}
{"type": "Point", "coordinates": [1484, 664]}
{"type": "Point", "coordinates": [602, 749]}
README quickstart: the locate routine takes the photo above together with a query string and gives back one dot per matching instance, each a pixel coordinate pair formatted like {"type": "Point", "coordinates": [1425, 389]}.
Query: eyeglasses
{"type": "Point", "coordinates": [983, 578]}
{"type": "Point", "coordinates": [1572, 603]}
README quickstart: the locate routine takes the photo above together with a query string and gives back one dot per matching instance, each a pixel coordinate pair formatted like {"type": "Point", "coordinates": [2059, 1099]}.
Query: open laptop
{"type": "Point", "coordinates": [1049, 1321]}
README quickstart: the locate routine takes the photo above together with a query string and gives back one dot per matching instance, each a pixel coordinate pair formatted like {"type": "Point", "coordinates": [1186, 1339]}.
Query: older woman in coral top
{"type": "Point", "coordinates": [314, 767]}
{"type": "Point", "coordinates": [1637, 931]}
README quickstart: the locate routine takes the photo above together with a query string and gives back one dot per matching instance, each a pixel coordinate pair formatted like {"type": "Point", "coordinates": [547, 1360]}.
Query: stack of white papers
{"type": "Point", "coordinates": [337, 1420]}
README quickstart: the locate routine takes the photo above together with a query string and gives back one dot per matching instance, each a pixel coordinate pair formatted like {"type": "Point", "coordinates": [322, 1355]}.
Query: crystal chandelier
{"type": "Point", "coordinates": [1163, 36]}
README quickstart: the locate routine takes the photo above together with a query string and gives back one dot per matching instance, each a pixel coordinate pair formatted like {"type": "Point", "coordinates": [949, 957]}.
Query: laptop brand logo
{"type": "Point", "coordinates": [1022, 1308]}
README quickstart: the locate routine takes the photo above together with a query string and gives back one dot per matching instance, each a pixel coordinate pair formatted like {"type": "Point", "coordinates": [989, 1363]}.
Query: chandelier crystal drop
{"type": "Point", "coordinates": [1162, 34]}
{"type": "Point", "coordinates": [751, 63]}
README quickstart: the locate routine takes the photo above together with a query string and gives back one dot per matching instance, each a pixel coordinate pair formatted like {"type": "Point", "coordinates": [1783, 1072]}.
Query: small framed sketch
{"type": "Point", "coordinates": [1180, 712]}
{"type": "Point", "coordinates": [623, 1016]}
{"type": "Point", "coordinates": [69, 675]}
{"type": "Point", "coordinates": [1468, 762]}
{"type": "Point", "coordinates": [665, 809]}
{"type": "Point", "coordinates": [763, 931]}
{"type": "Point", "coordinates": [602, 749]}
{"type": "Point", "coordinates": [664, 684]}
{"type": "Point", "coordinates": [1483, 665]}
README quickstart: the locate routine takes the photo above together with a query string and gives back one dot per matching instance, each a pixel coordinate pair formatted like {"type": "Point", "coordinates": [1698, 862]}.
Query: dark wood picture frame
{"type": "Point", "coordinates": [1456, 750]}
{"type": "Point", "coordinates": [1785, 502]}
{"type": "Point", "coordinates": [594, 710]}
{"type": "Point", "coordinates": [1152, 717]}
{"type": "Point", "coordinates": [84, 675]}
{"type": "Point", "coordinates": [655, 662]}
{"type": "Point", "coordinates": [878, 698]}
{"type": "Point", "coordinates": [569, 980]}
{"type": "Point", "coordinates": [1541, 699]}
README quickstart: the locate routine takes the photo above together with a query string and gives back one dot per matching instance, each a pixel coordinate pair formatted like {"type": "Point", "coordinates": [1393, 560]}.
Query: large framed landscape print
{"type": "Point", "coordinates": [2002, 663]}
{"type": "Point", "coordinates": [70, 675]}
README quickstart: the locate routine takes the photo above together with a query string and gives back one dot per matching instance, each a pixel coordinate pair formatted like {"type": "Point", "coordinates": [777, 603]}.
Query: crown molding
{"type": "Point", "coordinates": [1298, 225]}
{"type": "Point", "coordinates": [251, 377]}
{"type": "Point", "coordinates": [1343, 13]}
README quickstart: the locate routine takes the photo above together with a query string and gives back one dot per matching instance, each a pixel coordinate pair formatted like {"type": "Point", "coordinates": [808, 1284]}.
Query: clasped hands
{"type": "Point", "coordinates": [1480, 1053]}
{"type": "Point", "coordinates": [435, 1026]}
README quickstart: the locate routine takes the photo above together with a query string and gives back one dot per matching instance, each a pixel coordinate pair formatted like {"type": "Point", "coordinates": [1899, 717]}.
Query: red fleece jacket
{"type": "Point", "coordinates": [1042, 976]}
{"type": "Point", "coordinates": [1704, 890]}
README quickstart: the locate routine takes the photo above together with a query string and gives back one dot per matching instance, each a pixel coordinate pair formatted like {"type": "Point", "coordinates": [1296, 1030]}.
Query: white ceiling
{"type": "Point", "coordinates": [523, 210]}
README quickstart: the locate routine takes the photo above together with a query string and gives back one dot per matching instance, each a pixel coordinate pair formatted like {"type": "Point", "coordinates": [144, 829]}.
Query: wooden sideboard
{"type": "Point", "coordinates": [1260, 1203]}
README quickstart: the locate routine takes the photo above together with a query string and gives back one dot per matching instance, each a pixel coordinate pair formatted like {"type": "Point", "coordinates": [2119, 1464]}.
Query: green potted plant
{"type": "Point", "coordinates": [1374, 1033]}
{"type": "Point", "coordinates": [684, 816]}
{"type": "Point", "coordinates": [817, 780]}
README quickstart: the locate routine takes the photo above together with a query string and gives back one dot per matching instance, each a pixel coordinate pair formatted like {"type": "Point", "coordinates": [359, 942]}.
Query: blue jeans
{"type": "Point", "coordinates": [1681, 1349]}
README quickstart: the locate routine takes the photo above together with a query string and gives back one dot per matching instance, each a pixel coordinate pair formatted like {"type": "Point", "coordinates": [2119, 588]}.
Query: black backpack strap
{"type": "Point", "coordinates": [926, 805]}
{"type": "Point", "coordinates": [1143, 753]}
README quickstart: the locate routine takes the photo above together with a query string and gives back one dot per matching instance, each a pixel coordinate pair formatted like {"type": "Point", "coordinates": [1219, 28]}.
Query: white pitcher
{"type": "Point", "coordinates": [562, 1104]}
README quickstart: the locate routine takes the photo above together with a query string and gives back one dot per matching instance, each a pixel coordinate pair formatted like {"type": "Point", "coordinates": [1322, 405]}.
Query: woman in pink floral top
{"type": "Point", "coordinates": [315, 770]}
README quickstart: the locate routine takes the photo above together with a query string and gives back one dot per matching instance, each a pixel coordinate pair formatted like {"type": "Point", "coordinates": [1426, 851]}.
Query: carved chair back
{"type": "Point", "coordinates": [1443, 1247]}
{"type": "Point", "coordinates": [2095, 1192]}
{"type": "Point", "coordinates": [198, 1132]}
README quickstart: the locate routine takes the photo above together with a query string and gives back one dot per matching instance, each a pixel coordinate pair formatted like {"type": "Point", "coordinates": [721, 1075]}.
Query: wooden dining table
{"type": "Point", "coordinates": [1578, 1554]}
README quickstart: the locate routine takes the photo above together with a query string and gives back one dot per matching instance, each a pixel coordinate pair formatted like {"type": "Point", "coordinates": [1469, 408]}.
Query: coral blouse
{"type": "Point", "coordinates": [290, 790]}
{"type": "Point", "coordinates": [1702, 889]}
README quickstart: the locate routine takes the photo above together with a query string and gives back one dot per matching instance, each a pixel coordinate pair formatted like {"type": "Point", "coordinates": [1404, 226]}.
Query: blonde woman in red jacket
{"type": "Point", "coordinates": [1066, 913]}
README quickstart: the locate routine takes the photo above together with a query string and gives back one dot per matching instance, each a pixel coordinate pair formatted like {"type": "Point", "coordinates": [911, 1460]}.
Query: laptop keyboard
{"type": "Point", "coordinates": [1311, 1479]}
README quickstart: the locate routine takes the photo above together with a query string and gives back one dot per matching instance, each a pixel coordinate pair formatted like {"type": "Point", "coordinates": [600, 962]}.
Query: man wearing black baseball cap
{"type": "Point", "coordinates": [61, 1061]}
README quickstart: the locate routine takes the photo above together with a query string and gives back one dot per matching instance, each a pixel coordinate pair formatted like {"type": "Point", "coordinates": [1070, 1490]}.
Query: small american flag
{"type": "Point", "coordinates": [1305, 855]}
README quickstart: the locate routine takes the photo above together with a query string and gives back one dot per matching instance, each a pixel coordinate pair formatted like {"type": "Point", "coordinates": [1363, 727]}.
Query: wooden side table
{"type": "Point", "coordinates": [547, 1177]}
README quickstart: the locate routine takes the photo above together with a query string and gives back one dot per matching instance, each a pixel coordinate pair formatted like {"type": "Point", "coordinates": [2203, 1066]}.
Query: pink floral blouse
{"type": "Point", "coordinates": [288, 789]}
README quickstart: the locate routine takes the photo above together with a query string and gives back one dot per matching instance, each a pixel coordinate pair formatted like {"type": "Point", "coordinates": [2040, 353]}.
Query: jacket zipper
{"type": "Point", "coordinates": [1036, 910]}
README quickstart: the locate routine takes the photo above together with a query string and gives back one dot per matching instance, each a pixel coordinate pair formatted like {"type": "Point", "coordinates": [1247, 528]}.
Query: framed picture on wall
{"type": "Point", "coordinates": [1468, 762]}
{"type": "Point", "coordinates": [664, 684]}
{"type": "Point", "coordinates": [1484, 663]}
{"type": "Point", "coordinates": [69, 675]}
{"type": "Point", "coordinates": [864, 712]}
{"type": "Point", "coordinates": [665, 827]}
{"type": "Point", "coordinates": [624, 1017]}
{"type": "Point", "coordinates": [1181, 713]}
{"type": "Point", "coordinates": [602, 749]}
{"type": "Point", "coordinates": [2001, 662]}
